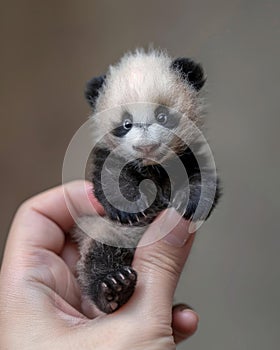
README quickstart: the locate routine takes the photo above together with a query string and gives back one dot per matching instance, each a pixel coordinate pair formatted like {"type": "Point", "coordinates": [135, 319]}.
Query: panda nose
{"type": "Point", "coordinates": [147, 148]}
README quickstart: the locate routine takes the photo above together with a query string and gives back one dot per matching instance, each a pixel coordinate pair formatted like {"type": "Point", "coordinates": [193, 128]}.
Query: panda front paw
{"type": "Point", "coordinates": [197, 203]}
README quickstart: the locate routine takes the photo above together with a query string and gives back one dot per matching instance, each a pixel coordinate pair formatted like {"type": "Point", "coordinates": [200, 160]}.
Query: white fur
{"type": "Point", "coordinates": [137, 84]}
{"type": "Point", "coordinates": [104, 230]}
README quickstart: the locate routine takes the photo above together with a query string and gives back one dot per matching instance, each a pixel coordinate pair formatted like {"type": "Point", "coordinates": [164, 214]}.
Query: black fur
{"type": "Point", "coordinates": [110, 279]}
{"type": "Point", "coordinates": [93, 89]}
{"type": "Point", "coordinates": [132, 175]}
{"type": "Point", "coordinates": [108, 269]}
{"type": "Point", "coordinates": [190, 71]}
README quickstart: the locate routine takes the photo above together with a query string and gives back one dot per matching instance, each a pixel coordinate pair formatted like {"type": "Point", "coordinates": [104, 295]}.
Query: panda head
{"type": "Point", "coordinates": [147, 106]}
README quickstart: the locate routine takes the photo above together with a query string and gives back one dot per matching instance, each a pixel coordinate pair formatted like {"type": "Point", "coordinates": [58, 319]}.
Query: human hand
{"type": "Point", "coordinates": [40, 301]}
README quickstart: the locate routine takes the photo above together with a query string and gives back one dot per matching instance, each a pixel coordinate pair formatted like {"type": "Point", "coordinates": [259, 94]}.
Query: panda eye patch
{"type": "Point", "coordinates": [122, 128]}
{"type": "Point", "coordinates": [167, 118]}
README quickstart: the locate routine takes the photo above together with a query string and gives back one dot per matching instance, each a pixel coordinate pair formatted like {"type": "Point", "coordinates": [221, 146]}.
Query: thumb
{"type": "Point", "coordinates": [160, 264]}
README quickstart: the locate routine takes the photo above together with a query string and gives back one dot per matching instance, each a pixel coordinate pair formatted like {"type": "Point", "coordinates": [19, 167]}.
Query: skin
{"type": "Point", "coordinates": [40, 301]}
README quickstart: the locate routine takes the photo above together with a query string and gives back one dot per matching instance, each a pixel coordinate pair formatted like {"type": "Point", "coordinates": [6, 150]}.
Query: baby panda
{"type": "Point", "coordinates": [146, 116]}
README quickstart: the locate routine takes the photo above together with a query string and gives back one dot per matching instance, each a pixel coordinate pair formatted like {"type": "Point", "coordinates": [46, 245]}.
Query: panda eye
{"type": "Point", "coordinates": [127, 124]}
{"type": "Point", "coordinates": [162, 118]}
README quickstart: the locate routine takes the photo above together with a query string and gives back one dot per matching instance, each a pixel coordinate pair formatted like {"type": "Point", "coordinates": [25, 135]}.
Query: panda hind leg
{"type": "Point", "coordinates": [106, 275]}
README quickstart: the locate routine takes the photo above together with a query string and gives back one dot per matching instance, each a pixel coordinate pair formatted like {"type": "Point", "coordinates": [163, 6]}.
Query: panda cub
{"type": "Point", "coordinates": [146, 117]}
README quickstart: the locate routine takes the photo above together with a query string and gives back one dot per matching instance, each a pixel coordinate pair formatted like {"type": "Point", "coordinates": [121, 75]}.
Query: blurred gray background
{"type": "Point", "coordinates": [50, 48]}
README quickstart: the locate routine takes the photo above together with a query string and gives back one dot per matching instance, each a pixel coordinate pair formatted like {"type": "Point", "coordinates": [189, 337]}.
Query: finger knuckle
{"type": "Point", "coordinates": [161, 261]}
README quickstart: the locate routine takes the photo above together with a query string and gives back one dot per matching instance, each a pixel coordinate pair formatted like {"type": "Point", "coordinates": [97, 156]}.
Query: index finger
{"type": "Point", "coordinates": [43, 220]}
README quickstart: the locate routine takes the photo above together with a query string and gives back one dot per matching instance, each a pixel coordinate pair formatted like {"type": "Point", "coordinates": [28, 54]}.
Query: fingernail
{"type": "Point", "coordinates": [89, 188]}
{"type": "Point", "coordinates": [96, 206]}
{"type": "Point", "coordinates": [176, 228]}
{"type": "Point", "coordinates": [89, 192]}
{"type": "Point", "coordinates": [194, 226]}
{"type": "Point", "coordinates": [183, 307]}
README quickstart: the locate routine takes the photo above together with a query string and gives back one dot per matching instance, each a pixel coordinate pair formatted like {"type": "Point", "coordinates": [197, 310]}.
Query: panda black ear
{"type": "Point", "coordinates": [93, 88]}
{"type": "Point", "coordinates": [189, 71]}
